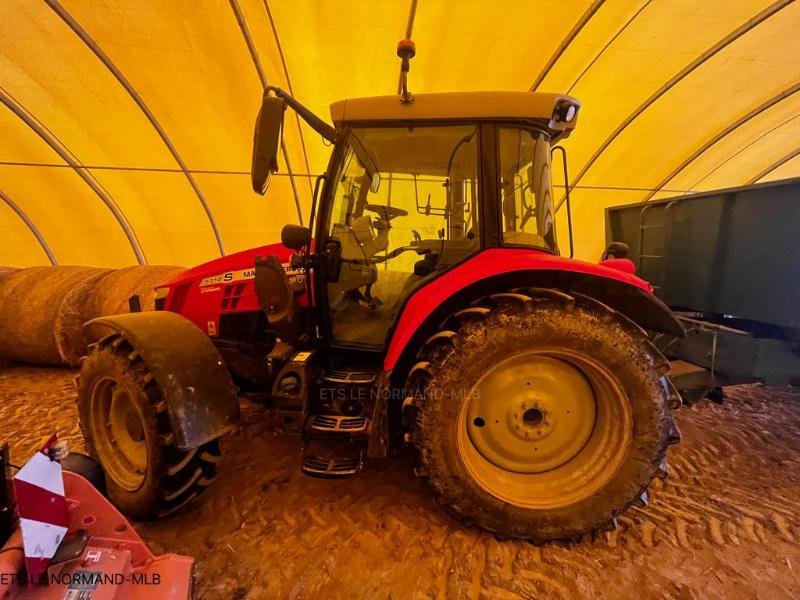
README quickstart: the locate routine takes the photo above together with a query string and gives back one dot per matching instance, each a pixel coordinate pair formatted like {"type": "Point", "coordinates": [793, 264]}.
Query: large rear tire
{"type": "Point", "coordinates": [540, 415]}
{"type": "Point", "coordinates": [123, 417]}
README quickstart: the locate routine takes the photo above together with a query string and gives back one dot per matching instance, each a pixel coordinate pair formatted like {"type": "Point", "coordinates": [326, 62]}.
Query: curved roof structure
{"type": "Point", "coordinates": [126, 127]}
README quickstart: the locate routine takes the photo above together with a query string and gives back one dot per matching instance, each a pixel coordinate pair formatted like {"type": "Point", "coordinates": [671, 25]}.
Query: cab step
{"type": "Point", "coordinates": [332, 459]}
{"type": "Point", "coordinates": [322, 466]}
{"type": "Point", "coordinates": [349, 377]}
{"type": "Point", "coordinates": [338, 423]}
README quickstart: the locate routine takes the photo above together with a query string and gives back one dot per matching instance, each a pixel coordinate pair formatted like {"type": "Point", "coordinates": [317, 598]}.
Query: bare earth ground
{"type": "Point", "coordinates": [726, 524]}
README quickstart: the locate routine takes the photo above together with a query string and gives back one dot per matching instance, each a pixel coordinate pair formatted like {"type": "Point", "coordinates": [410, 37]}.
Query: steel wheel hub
{"type": "Point", "coordinates": [118, 431]}
{"type": "Point", "coordinates": [531, 414]}
{"type": "Point", "coordinates": [544, 428]}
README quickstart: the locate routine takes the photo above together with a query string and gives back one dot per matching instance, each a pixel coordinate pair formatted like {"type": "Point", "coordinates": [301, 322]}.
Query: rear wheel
{"type": "Point", "coordinates": [123, 417]}
{"type": "Point", "coordinates": [540, 415]}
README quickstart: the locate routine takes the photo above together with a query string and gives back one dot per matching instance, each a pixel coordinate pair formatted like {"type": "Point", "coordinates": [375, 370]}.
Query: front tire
{"type": "Point", "coordinates": [540, 415]}
{"type": "Point", "coordinates": [123, 418]}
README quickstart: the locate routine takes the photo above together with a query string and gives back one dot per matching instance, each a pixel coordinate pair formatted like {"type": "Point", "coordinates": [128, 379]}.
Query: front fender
{"type": "Point", "coordinates": [201, 399]}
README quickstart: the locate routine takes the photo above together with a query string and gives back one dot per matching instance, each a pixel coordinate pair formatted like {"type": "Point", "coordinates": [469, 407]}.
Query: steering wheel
{"type": "Point", "coordinates": [387, 213]}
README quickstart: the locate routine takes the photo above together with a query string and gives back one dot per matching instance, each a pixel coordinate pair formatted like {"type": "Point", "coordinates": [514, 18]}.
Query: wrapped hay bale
{"type": "Point", "coordinates": [6, 271]}
{"type": "Point", "coordinates": [111, 294]}
{"type": "Point", "coordinates": [42, 311]}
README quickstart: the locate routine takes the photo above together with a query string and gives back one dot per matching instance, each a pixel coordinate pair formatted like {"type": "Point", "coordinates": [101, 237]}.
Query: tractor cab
{"type": "Point", "coordinates": [415, 188]}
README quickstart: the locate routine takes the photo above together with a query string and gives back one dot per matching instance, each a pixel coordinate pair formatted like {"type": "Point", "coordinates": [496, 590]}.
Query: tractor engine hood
{"type": "Point", "coordinates": [205, 294]}
{"type": "Point", "coordinates": [246, 259]}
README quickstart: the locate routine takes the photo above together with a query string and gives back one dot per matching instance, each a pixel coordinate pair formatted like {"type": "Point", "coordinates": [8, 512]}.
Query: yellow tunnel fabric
{"type": "Point", "coordinates": [126, 127]}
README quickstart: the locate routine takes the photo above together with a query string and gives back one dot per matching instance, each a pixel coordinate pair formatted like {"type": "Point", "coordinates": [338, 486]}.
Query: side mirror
{"type": "Point", "coordinates": [266, 141]}
{"type": "Point", "coordinates": [295, 237]}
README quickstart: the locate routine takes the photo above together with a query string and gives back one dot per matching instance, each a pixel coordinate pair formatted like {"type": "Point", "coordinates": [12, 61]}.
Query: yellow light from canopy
{"type": "Point", "coordinates": [145, 109]}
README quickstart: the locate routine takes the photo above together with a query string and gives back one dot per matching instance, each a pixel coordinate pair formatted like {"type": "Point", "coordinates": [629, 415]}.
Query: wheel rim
{"type": "Point", "coordinates": [118, 432]}
{"type": "Point", "coordinates": [544, 429]}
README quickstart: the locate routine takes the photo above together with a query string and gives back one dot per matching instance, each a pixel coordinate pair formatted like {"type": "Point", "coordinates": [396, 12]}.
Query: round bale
{"type": "Point", "coordinates": [42, 310]}
{"type": "Point", "coordinates": [6, 271]}
{"type": "Point", "coordinates": [111, 294]}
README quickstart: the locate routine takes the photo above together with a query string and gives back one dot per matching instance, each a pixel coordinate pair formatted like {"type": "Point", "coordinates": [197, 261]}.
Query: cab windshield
{"type": "Point", "coordinates": [404, 208]}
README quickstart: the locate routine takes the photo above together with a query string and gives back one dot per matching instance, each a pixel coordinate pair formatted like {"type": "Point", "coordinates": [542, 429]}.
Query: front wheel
{"type": "Point", "coordinates": [540, 416]}
{"type": "Point", "coordinates": [123, 417]}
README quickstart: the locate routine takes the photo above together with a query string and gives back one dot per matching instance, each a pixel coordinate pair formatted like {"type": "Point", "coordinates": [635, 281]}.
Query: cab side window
{"type": "Point", "coordinates": [525, 189]}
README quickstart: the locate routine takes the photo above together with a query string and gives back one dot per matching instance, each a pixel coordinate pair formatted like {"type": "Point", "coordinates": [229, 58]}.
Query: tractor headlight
{"type": "Point", "coordinates": [564, 112]}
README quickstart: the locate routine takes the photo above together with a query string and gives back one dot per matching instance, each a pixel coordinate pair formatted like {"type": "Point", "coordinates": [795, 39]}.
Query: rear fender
{"type": "Point", "coordinates": [415, 324]}
{"type": "Point", "coordinates": [201, 399]}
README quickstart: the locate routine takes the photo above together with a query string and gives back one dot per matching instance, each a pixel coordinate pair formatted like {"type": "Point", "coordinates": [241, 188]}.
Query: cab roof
{"type": "Point", "coordinates": [454, 105]}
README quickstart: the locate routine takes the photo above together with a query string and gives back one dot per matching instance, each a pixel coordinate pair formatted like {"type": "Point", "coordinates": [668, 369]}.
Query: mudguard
{"type": "Point", "coordinates": [201, 399]}
{"type": "Point", "coordinates": [507, 268]}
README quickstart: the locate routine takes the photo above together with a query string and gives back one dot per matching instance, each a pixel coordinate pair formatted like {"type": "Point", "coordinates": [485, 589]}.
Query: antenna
{"type": "Point", "coordinates": [406, 50]}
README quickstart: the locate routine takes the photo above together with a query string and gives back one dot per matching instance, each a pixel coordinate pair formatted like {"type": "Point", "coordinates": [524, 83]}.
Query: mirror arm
{"type": "Point", "coordinates": [317, 124]}
{"type": "Point", "coordinates": [315, 199]}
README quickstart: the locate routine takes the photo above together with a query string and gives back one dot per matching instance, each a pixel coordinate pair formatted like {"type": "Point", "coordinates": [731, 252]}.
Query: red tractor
{"type": "Point", "coordinates": [426, 305]}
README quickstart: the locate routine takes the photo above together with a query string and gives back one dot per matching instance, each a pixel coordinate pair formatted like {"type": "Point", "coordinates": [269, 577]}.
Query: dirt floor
{"type": "Point", "coordinates": [726, 524]}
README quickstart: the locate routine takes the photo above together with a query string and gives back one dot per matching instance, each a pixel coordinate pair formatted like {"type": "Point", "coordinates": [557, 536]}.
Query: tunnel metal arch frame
{"type": "Point", "coordinates": [67, 156]}
{"type": "Point", "coordinates": [92, 45]}
{"type": "Point", "coordinates": [778, 163]}
{"type": "Point", "coordinates": [743, 120]}
{"type": "Point", "coordinates": [585, 17]}
{"type": "Point", "coordinates": [608, 44]}
{"type": "Point", "coordinates": [747, 146]}
{"type": "Point", "coordinates": [251, 47]}
{"type": "Point", "coordinates": [285, 68]}
{"type": "Point", "coordinates": [715, 49]}
{"type": "Point", "coordinates": [577, 28]}
{"type": "Point", "coordinates": [16, 209]}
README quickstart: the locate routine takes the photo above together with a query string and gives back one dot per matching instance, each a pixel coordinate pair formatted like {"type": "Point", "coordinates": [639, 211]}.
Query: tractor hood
{"type": "Point", "coordinates": [219, 267]}
{"type": "Point", "coordinates": [207, 293]}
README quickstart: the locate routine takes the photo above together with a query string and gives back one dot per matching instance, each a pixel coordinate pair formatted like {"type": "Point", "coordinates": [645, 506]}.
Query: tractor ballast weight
{"type": "Point", "coordinates": [426, 305]}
